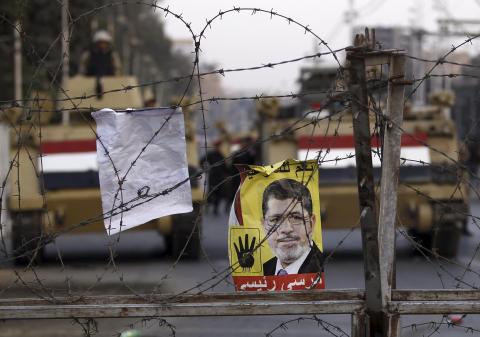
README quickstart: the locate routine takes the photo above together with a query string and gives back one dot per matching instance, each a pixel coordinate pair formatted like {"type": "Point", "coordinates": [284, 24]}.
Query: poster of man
{"type": "Point", "coordinates": [275, 229]}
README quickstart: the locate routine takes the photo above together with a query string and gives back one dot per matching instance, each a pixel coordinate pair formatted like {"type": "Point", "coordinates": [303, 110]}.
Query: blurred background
{"type": "Point", "coordinates": [63, 59]}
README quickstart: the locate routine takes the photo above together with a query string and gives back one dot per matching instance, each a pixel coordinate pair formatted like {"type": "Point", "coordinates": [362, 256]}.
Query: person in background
{"type": "Point", "coordinates": [149, 100]}
{"type": "Point", "coordinates": [214, 161]}
{"type": "Point", "coordinates": [101, 59]}
{"type": "Point", "coordinates": [246, 155]}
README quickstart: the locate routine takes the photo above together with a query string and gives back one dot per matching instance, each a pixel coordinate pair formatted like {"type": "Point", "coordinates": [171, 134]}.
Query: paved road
{"type": "Point", "coordinates": [142, 267]}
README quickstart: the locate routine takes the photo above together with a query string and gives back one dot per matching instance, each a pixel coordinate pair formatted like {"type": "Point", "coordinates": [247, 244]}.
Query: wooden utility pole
{"type": "Point", "coordinates": [388, 189]}
{"type": "Point", "coordinates": [378, 233]}
{"type": "Point", "coordinates": [357, 85]}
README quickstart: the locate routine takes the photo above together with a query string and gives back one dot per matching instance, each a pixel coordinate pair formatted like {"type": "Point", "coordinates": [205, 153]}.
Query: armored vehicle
{"type": "Point", "coordinates": [61, 194]}
{"type": "Point", "coordinates": [433, 196]}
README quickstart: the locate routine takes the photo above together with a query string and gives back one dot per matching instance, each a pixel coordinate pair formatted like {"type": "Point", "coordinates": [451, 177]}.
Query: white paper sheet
{"type": "Point", "coordinates": [160, 167]}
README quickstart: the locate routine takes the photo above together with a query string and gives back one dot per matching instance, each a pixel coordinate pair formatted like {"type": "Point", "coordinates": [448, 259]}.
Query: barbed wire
{"type": "Point", "coordinates": [436, 326]}
{"type": "Point", "coordinates": [443, 203]}
{"type": "Point", "coordinates": [331, 329]}
{"type": "Point", "coordinates": [126, 205]}
{"type": "Point", "coordinates": [39, 289]}
{"type": "Point", "coordinates": [277, 136]}
{"type": "Point", "coordinates": [123, 89]}
{"type": "Point", "coordinates": [149, 322]}
{"type": "Point", "coordinates": [442, 60]}
{"type": "Point", "coordinates": [418, 245]}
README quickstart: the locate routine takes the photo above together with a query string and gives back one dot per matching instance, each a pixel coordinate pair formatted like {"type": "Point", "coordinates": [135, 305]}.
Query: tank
{"type": "Point", "coordinates": [432, 197]}
{"type": "Point", "coordinates": [70, 186]}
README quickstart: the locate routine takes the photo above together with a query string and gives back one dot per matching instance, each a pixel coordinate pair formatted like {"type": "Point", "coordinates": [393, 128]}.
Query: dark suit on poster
{"type": "Point", "coordinates": [312, 264]}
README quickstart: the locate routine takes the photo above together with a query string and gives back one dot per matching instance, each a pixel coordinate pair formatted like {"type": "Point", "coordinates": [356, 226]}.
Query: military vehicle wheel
{"type": "Point", "coordinates": [446, 239]}
{"type": "Point", "coordinates": [26, 235]}
{"type": "Point", "coordinates": [181, 229]}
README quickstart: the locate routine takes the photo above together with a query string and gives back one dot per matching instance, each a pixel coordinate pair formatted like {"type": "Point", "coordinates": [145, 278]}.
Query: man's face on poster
{"type": "Point", "coordinates": [288, 226]}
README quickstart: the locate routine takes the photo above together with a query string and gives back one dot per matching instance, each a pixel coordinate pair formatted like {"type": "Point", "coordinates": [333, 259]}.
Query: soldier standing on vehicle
{"type": "Point", "coordinates": [100, 60]}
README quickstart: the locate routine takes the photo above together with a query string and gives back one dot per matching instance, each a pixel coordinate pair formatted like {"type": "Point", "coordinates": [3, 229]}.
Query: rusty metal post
{"type": "Point", "coordinates": [368, 216]}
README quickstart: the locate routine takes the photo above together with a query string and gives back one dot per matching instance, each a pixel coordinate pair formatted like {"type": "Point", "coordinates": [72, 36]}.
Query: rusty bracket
{"type": "Point", "coordinates": [399, 80]}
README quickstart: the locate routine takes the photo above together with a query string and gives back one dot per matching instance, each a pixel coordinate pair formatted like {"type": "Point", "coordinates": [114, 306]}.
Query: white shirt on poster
{"type": "Point", "coordinates": [293, 267]}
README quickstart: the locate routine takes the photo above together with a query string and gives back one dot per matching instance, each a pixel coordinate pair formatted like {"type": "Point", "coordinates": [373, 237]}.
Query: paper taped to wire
{"type": "Point", "coordinates": [142, 166]}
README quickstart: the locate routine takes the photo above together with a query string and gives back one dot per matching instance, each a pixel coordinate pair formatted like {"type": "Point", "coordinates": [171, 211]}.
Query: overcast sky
{"type": "Point", "coordinates": [242, 39]}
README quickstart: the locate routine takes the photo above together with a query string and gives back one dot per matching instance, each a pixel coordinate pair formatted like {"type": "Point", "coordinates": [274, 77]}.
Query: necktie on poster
{"type": "Point", "coordinates": [154, 141]}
